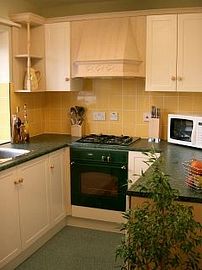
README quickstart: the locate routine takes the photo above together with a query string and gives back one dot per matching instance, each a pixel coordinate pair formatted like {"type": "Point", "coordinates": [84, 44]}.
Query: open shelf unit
{"type": "Point", "coordinates": [28, 51]}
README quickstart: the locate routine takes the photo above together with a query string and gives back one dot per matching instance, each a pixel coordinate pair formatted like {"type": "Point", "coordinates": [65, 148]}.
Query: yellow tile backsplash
{"type": "Point", "coordinates": [49, 112]}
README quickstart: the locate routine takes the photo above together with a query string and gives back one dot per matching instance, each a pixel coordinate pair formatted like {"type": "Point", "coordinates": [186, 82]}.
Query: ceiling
{"type": "Point", "coordinates": [52, 3]}
{"type": "Point", "coordinates": [55, 8]}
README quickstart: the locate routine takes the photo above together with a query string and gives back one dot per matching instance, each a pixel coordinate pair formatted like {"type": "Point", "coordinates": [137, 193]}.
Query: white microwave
{"type": "Point", "coordinates": [185, 130]}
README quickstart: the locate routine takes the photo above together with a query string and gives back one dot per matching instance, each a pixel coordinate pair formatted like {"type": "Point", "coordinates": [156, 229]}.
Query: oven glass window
{"type": "Point", "coordinates": [98, 183]}
{"type": "Point", "coordinates": [181, 129]}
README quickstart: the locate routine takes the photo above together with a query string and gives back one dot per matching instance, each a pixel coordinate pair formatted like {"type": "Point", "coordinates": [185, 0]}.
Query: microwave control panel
{"type": "Point", "coordinates": [199, 133]}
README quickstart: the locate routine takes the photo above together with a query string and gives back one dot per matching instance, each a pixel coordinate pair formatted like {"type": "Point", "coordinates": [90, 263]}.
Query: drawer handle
{"type": "Point", "coordinates": [52, 166]}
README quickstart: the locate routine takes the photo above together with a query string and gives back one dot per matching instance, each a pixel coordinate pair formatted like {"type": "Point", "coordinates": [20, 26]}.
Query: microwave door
{"type": "Point", "coordinates": [181, 129]}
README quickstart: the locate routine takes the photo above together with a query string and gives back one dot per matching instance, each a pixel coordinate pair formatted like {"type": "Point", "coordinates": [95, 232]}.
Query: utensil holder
{"type": "Point", "coordinates": [76, 130]}
{"type": "Point", "coordinates": [154, 130]}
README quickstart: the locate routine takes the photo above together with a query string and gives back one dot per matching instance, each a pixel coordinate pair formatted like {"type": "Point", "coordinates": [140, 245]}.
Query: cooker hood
{"type": "Point", "coordinates": [109, 48]}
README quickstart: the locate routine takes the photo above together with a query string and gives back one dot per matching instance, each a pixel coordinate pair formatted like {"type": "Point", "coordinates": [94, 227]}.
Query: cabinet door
{"type": "Point", "coordinates": [57, 47]}
{"type": "Point", "coordinates": [56, 172]}
{"type": "Point", "coordinates": [161, 49]}
{"type": "Point", "coordinates": [10, 241]}
{"type": "Point", "coordinates": [33, 200]}
{"type": "Point", "coordinates": [189, 52]}
{"type": "Point", "coordinates": [136, 165]}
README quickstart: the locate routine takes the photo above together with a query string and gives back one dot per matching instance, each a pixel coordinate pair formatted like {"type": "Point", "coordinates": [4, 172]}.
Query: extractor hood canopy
{"type": "Point", "coordinates": [109, 48]}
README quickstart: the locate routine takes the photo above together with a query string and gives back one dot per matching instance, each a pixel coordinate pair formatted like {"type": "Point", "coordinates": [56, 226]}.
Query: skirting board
{"type": "Point", "coordinates": [97, 214]}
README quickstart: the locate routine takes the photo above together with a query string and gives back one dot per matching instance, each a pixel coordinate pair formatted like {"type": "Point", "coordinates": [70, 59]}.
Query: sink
{"type": "Point", "coordinates": [7, 154]}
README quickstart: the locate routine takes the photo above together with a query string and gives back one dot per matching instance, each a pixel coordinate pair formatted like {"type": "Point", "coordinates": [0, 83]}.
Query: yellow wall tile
{"type": "Point", "coordinates": [49, 112]}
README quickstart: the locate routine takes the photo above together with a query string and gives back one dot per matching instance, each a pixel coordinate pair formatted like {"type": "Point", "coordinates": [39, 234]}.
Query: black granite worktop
{"type": "Point", "coordinates": [38, 146]}
{"type": "Point", "coordinates": [173, 156]}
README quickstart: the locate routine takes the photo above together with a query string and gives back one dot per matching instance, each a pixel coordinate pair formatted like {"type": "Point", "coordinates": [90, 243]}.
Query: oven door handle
{"type": "Point", "coordinates": [108, 165]}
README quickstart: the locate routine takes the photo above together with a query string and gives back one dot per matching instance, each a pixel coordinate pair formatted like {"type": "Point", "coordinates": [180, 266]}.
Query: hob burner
{"type": "Point", "coordinates": [108, 139]}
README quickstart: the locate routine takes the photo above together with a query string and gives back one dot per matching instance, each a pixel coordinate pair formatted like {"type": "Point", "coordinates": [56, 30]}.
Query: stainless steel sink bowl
{"type": "Point", "coordinates": [10, 153]}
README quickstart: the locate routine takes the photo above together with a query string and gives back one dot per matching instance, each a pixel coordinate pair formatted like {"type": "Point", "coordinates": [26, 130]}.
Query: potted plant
{"type": "Point", "coordinates": [160, 234]}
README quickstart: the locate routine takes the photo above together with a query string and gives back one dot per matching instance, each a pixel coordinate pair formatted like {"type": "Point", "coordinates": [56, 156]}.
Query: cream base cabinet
{"type": "Point", "coordinates": [173, 53]}
{"type": "Point", "coordinates": [57, 173]}
{"type": "Point", "coordinates": [58, 58]}
{"type": "Point", "coordinates": [10, 242]}
{"type": "Point", "coordinates": [34, 197]}
{"type": "Point", "coordinates": [136, 165]}
{"type": "Point", "coordinates": [33, 200]}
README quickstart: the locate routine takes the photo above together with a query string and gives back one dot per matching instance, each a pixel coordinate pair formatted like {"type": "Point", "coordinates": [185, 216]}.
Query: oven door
{"type": "Point", "coordinates": [99, 185]}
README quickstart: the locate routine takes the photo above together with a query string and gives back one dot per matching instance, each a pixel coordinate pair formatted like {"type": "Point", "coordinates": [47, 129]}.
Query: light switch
{"type": "Point", "coordinates": [99, 116]}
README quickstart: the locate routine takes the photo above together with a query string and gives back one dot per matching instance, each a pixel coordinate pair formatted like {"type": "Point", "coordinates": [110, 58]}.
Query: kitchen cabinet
{"type": "Point", "coordinates": [57, 173]}
{"type": "Point", "coordinates": [58, 58]}
{"type": "Point", "coordinates": [34, 204]}
{"type": "Point", "coordinates": [10, 223]}
{"type": "Point", "coordinates": [173, 53]}
{"type": "Point", "coordinates": [136, 165]}
{"type": "Point", "coordinates": [33, 199]}
{"type": "Point", "coordinates": [28, 52]}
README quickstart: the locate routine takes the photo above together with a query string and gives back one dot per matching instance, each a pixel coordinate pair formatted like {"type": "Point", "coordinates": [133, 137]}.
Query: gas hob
{"type": "Point", "coordinates": [108, 139]}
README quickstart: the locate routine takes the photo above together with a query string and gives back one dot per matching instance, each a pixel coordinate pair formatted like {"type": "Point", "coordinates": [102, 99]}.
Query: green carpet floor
{"type": "Point", "coordinates": [76, 248]}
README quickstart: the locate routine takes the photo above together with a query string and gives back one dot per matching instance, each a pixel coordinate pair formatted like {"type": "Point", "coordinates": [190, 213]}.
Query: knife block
{"type": "Point", "coordinates": [154, 130]}
{"type": "Point", "coordinates": [76, 130]}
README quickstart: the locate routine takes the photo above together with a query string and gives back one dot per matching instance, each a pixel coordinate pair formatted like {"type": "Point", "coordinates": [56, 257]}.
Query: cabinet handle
{"type": "Point", "coordinates": [52, 166]}
{"type": "Point", "coordinates": [16, 182]}
{"type": "Point", "coordinates": [66, 79]}
{"type": "Point", "coordinates": [21, 180]}
{"type": "Point", "coordinates": [179, 78]}
{"type": "Point", "coordinates": [173, 78]}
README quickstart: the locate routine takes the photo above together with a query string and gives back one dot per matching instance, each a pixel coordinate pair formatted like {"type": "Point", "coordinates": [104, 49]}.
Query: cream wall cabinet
{"type": "Point", "coordinates": [58, 58]}
{"type": "Point", "coordinates": [33, 199]}
{"type": "Point", "coordinates": [174, 55]}
{"type": "Point", "coordinates": [28, 48]}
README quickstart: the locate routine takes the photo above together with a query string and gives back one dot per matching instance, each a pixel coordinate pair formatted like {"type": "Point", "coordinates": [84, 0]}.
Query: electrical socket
{"type": "Point", "coordinates": [99, 116]}
{"type": "Point", "coordinates": [113, 116]}
{"type": "Point", "coordinates": [146, 116]}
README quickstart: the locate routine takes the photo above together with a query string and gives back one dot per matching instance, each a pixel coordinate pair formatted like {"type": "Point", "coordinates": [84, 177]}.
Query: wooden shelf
{"type": "Point", "coordinates": [28, 51]}
{"type": "Point", "coordinates": [31, 56]}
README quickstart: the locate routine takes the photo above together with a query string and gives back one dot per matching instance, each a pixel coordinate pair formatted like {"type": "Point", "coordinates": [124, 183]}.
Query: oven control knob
{"type": "Point", "coordinates": [103, 158]}
{"type": "Point", "coordinates": [72, 163]}
{"type": "Point", "coordinates": [108, 158]}
{"type": "Point", "coordinates": [123, 167]}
